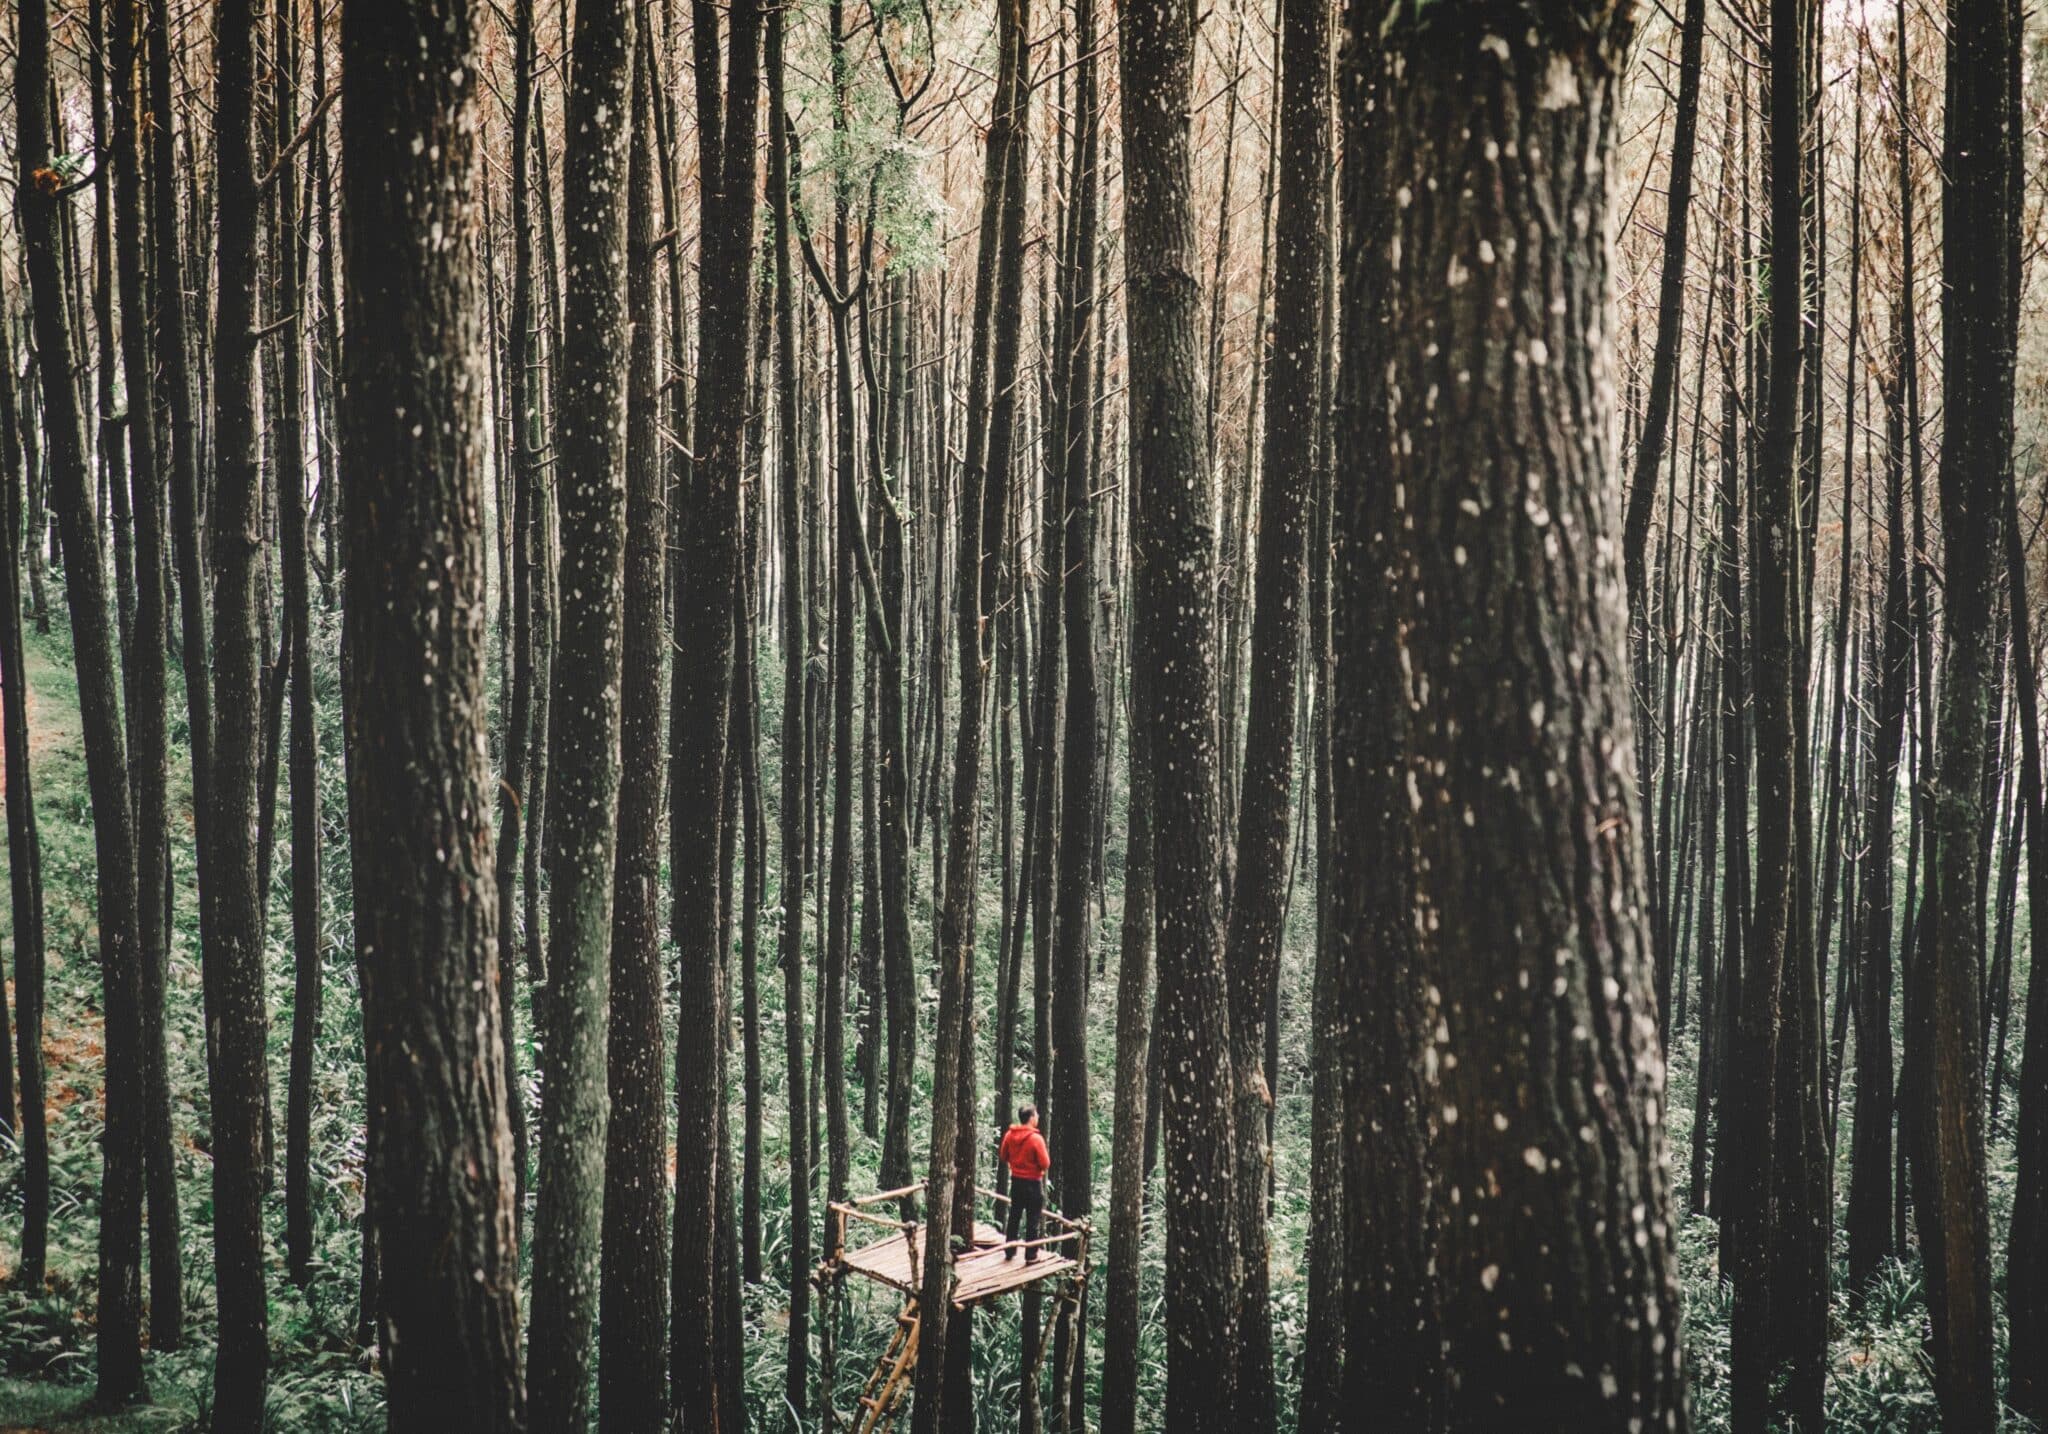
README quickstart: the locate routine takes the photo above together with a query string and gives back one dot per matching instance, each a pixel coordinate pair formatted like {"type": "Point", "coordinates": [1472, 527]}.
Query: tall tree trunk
{"type": "Point", "coordinates": [1751, 1127]}
{"type": "Point", "coordinates": [230, 889]}
{"type": "Point", "coordinates": [1176, 599]}
{"type": "Point", "coordinates": [1258, 906]}
{"type": "Point", "coordinates": [701, 703]}
{"type": "Point", "coordinates": [1392, 1355]}
{"type": "Point", "coordinates": [514, 790]}
{"type": "Point", "coordinates": [1081, 771]}
{"type": "Point", "coordinates": [38, 206]}
{"type": "Point", "coordinates": [148, 756]}
{"type": "Point", "coordinates": [440, 1178]}
{"type": "Point", "coordinates": [1558, 1268]}
{"type": "Point", "coordinates": [795, 653]}
{"type": "Point", "coordinates": [1979, 343]}
{"type": "Point", "coordinates": [982, 510]}
{"type": "Point", "coordinates": [1869, 1219]}
{"type": "Point", "coordinates": [2026, 1296]}
{"type": "Point", "coordinates": [24, 844]}
{"type": "Point", "coordinates": [308, 940]}
{"type": "Point", "coordinates": [1642, 493]}
{"type": "Point", "coordinates": [632, 1339]}
{"type": "Point", "coordinates": [1121, 1308]}
{"type": "Point", "coordinates": [583, 763]}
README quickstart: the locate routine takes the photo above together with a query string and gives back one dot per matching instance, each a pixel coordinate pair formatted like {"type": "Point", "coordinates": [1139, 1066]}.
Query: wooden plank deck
{"type": "Point", "coordinates": [980, 1274]}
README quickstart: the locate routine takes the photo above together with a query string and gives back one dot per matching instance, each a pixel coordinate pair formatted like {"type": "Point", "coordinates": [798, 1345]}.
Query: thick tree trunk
{"type": "Point", "coordinates": [1392, 1356]}
{"type": "Point", "coordinates": [1557, 1262]}
{"type": "Point", "coordinates": [440, 1177]}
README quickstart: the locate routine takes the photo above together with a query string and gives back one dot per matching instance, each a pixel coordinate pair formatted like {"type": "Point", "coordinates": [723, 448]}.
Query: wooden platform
{"type": "Point", "coordinates": [979, 1274]}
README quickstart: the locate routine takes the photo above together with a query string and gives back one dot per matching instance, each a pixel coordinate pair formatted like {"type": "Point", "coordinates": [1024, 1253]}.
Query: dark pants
{"type": "Point", "coordinates": [1027, 1207]}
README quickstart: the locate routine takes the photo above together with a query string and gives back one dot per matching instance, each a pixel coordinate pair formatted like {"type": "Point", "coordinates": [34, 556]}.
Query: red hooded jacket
{"type": "Point", "coordinates": [1025, 1153]}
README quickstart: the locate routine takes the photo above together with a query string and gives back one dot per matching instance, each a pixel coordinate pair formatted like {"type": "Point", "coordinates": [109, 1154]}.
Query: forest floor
{"type": "Point", "coordinates": [1879, 1377]}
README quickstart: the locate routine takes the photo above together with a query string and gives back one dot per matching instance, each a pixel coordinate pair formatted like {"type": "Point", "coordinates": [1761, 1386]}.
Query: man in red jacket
{"type": "Point", "coordinates": [1025, 1153]}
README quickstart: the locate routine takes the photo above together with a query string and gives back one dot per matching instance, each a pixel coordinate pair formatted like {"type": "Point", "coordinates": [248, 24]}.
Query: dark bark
{"type": "Point", "coordinates": [1657, 426]}
{"type": "Point", "coordinates": [308, 940]}
{"type": "Point", "coordinates": [796, 1382]}
{"type": "Point", "coordinates": [1751, 1125]}
{"type": "Point", "coordinates": [2026, 1291]}
{"type": "Point", "coordinates": [632, 1338]}
{"type": "Point", "coordinates": [1869, 1219]}
{"type": "Point", "coordinates": [39, 211]}
{"type": "Point", "coordinates": [1121, 1309]}
{"type": "Point", "coordinates": [700, 709]}
{"type": "Point", "coordinates": [1978, 346]}
{"type": "Point", "coordinates": [1176, 633]}
{"type": "Point", "coordinates": [1081, 765]}
{"type": "Point", "coordinates": [148, 755]}
{"type": "Point", "coordinates": [1556, 1260]}
{"type": "Point", "coordinates": [1392, 1356]}
{"type": "Point", "coordinates": [1265, 852]}
{"type": "Point", "coordinates": [24, 845]}
{"type": "Point", "coordinates": [440, 1179]}
{"type": "Point", "coordinates": [982, 522]}
{"type": "Point", "coordinates": [521, 361]}
{"type": "Point", "coordinates": [584, 699]}
{"type": "Point", "coordinates": [230, 888]}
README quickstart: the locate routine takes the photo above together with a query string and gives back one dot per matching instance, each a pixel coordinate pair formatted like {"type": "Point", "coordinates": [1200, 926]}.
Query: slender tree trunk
{"type": "Point", "coordinates": [1751, 1128]}
{"type": "Point", "coordinates": [584, 698]}
{"type": "Point", "coordinates": [1121, 1305]}
{"type": "Point", "coordinates": [1869, 1219]}
{"type": "Point", "coordinates": [700, 706]}
{"type": "Point", "coordinates": [308, 939]}
{"type": "Point", "coordinates": [1176, 599]}
{"type": "Point", "coordinates": [230, 890]}
{"type": "Point", "coordinates": [24, 845]}
{"type": "Point", "coordinates": [38, 209]}
{"type": "Point", "coordinates": [982, 513]}
{"type": "Point", "coordinates": [148, 756]}
{"type": "Point", "coordinates": [796, 1379]}
{"type": "Point", "coordinates": [1258, 906]}
{"type": "Point", "coordinates": [632, 1339]}
{"type": "Point", "coordinates": [1979, 343]}
{"type": "Point", "coordinates": [1642, 494]}
{"type": "Point", "coordinates": [522, 358]}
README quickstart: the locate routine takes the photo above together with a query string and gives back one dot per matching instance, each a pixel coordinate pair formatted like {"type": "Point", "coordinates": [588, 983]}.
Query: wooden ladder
{"type": "Point", "coordinates": [890, 1379]}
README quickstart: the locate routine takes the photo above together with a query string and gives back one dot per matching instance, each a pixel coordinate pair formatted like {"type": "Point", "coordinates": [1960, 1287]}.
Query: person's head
{"type": "Point", "coordinates": [1027, 1115]}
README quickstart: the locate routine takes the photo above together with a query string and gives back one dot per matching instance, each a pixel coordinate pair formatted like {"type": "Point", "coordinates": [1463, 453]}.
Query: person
{"type": "Point", "coordinates": [1025, 1153]}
